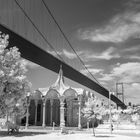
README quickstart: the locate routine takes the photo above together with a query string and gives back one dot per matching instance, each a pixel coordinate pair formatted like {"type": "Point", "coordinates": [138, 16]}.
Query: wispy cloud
{"type": "Point", "coordinates": [106, 77]}
{"type": "Point", "coordinates": [131, 92]}
{"type": "Point", "coordinates": [108, 54]}
{"type": "Point", "coordinates": [30, 64]}
{"type": "Point", "coordinates": [127, 72]}
{"type": "Point", "coordinates": [54, 53]}
{"type": "Point", "coordinates": [135, 57]}
{"type": "Point", "coordinates": [68, 54]}
{"type": "Point", "coordinates": [92, 70]}
{"type": "Point", "coordinates": [132, 49]}
{"type": "Point", "coordinates": [119, 29]}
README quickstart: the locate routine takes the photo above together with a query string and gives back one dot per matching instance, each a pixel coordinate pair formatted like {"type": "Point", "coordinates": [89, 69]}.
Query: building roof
{"type": "Point", "coordinates": [60, 86]}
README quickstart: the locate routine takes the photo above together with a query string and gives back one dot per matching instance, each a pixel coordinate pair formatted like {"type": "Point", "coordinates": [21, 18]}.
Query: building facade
{"type": "Point", "coordinates": [58, 105]}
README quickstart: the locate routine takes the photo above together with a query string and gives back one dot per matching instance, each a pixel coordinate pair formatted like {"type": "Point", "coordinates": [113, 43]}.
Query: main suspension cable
{"type": "Point", "coordinates": [65, 37]}
{"type": "Point", "coordinates": [37, 29]}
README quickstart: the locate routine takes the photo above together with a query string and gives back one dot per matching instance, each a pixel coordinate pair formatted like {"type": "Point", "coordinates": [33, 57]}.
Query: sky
{"type": "Point", "coordinates": [106, 36]}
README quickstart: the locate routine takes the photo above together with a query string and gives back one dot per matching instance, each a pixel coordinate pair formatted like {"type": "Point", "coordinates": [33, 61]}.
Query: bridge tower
{"type": "Point", "coordinates": [120, 91]}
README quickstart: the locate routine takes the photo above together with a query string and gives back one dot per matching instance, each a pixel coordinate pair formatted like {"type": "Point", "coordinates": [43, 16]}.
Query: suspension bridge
{"type": "Point", "coordinates": [30, 30]}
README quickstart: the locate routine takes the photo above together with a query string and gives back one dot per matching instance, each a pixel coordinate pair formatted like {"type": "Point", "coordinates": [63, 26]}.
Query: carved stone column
{"type": "Point", "coordinates": [44, 111]}
{"type": "Point", "coordinates": [51, 115]}
{"type": "Point", "coordinates": [62, 109]}
{"type": "Point", "coordinates": [36, 104]}
{"type": "Point", "coordinates": [79, 112]}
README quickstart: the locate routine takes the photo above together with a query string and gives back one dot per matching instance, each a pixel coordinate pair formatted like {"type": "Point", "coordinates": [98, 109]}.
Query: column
{"type": "Point", "coordinates": [51, 115]}
{"type": "Point", "coordinates": [44, 112]}
{"type": "Point", "coordinates": [62, 120]}
{"type": "Point", "coordinates": [79, 114]}
{"type": "Point", "coordinates": [36, 104]}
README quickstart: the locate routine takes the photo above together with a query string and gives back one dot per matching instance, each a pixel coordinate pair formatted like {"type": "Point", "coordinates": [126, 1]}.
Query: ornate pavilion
{"type": "Point", "coordinates": [58, 104]}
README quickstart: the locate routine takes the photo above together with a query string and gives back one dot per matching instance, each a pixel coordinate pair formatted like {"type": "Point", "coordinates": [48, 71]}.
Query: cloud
{"type": "Point", "coordinates": [132, 4]}
{"type": "Point", "coordinates": [68, 54]}
{"type": "Point", "coordinates": [119, 29]}
{"type": "Point", "coordinates": [136, 57]}
{"type": "Point", "coordinates": [106, 77]}
{"type": "Point", "coordinates": [131, 53]}
{"type": "Point", "coordinates": [30, 64]}
{"type": "Point", "coordinates": [132, 49]}
{"type": "Point", "coordinates": [106, 55]}
{"type": "Point", "coordinates": [92, 70]}
{"type": "Point", "coordinates": [131, 93]}
{"type": "Point", "coordinates": [127, 72]}
{"type": "Point", "coordinates": [54, 53]}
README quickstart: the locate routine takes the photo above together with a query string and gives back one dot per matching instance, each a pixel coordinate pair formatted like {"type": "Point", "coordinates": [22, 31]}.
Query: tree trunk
{"type": "Point", "coordinates": [14, 119]}
{"type": "Point", "coordinates": [93, 128]}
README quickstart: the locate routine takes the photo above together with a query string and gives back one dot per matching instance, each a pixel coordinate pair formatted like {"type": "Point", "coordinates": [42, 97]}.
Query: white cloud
{"type": "Point", "coordinates": [29, 64]}
{"type": "Point", "coordinates": [131, 93]}
{"type": "Point", "coordinates": [92, 70]}
{"type": "Point", "coordinates": [106, 77]}
{"type": "Point", "coordinates": [132, 49]}
{"type": "Point", "coordinates": [120, 28]}
{"type": "Point", "coordinates": [134, 57]}
{"type": "Point", "coordinates": [127, 72]}
{"type": "Point", "coordinates": [54, 53]}
{"type": "Point", "coordinates": [68, 54]}
{"type": "Point", "coordinates": [106, 55]}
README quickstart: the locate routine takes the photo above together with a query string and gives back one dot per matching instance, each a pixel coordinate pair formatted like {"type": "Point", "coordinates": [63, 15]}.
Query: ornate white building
{"type": "Point", "coordinates": [59, 104]}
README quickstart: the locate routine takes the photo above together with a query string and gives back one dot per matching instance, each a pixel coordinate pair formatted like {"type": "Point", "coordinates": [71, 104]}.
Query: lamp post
{"type": "Point", "coordinates": [110, 117]}
{"type": "Point", "coordinates": [27, 113]}
{"type": "Point", "coordinates": [79, 112]}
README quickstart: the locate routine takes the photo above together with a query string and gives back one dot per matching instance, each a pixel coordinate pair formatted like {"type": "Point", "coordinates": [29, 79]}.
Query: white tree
{"type": "Point", "coordinates": [135, 118]}
{"type": "Point", "coordinates": [93, 111]}
{"type": "Point", "coordinates": [13, 82]}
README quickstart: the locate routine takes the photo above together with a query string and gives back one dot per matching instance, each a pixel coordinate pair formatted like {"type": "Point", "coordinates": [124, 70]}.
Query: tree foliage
{"type": "Point", "coordinates": [14, 85]}
{"type": "Point", "coordinates": [93, 109]}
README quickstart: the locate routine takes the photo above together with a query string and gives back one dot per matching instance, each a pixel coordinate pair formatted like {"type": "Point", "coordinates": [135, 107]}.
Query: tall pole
{"type": "Point", "coordinates": [79, 114]}
{"type": "Point", "coordinates": [110, 119]}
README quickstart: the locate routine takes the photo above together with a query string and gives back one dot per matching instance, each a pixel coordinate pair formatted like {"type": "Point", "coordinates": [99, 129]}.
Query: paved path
{"type": "Point", "coordinates": [101, 134]}
{"type": "Point", "coordinates": [58, 136]}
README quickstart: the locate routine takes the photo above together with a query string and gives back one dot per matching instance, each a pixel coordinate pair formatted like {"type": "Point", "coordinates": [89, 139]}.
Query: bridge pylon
{"type": "Point", "coordinates": [120, 91]}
